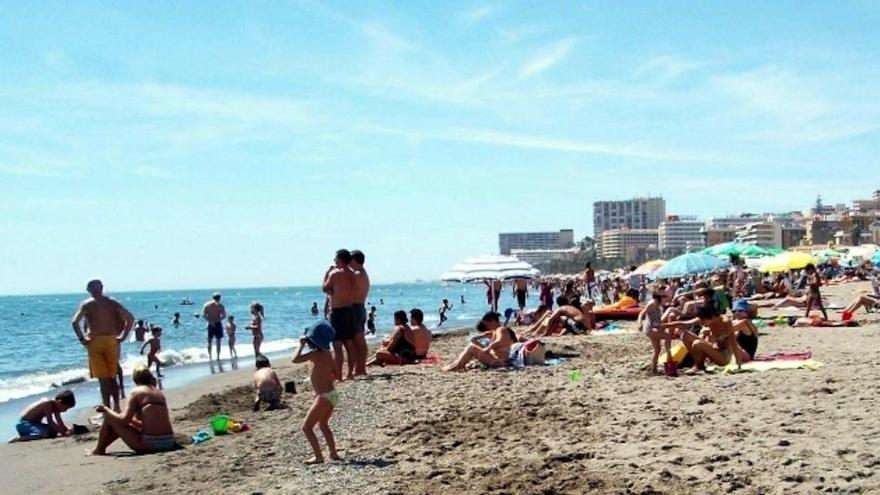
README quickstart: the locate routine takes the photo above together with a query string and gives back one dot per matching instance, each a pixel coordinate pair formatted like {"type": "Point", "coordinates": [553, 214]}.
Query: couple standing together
{"type": "Point", "coordinates": [347, 285]}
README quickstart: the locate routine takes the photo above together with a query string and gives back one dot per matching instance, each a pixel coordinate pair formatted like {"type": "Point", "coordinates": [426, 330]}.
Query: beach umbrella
{"type": "Point", "coordinates": [789, 260]}
{"type": "Point", "coordinates": [876, 258]}
{"type": "Point", "coordinates": [724, 249]}
{"type": "Point", "coordinates": [774, 250]}
{"type": "Point", "coordinates": [752, 251]}
{"type": "Point", "coordinates": [827, 254]}
{"type": "Point", "coordinates": [490, 267]}
{"type": "Point", "coordinates": [691, 264]}
{"type": "Point", "coordinates": [647, 269]}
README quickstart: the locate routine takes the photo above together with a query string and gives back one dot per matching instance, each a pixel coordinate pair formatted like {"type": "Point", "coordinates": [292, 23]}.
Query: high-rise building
{"type": "Point", "coordinates": [636, 213]}
{"type": "Point", "coordinates": [763, 234]}
{"type": "Point", "coordinates": [563, 239]}
{"type": "Point", "coordinates": [627, 245]}
{"type": "Point", "coordinates": [678, 235]}
{"type": "Point", "coordinates": [536, 257]}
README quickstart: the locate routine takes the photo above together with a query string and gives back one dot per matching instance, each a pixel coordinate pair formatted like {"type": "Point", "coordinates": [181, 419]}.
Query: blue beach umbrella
{"type": "Point", "coordinates": [691, 264]}
{"type": "Point", "coordinates": [876, 258]}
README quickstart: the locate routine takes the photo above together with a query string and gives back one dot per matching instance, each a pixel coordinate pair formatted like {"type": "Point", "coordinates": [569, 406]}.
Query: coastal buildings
{"type": "Point", "coordinates": [680, 234]}
{"type": "Point", "coordinates": [636, 213]}
{"type": "Point", "coordinates": [563, 239]}
{"type": "Point", "coordinates": [628, 246]}
{"type": "Point", "coordinates": [537, 257]}
{"type": "Point", "coordinates": [763, 234]}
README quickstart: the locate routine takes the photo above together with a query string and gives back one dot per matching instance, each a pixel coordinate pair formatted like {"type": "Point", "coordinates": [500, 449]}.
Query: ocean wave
{"type": "Point", "coordinates": [41, 382]}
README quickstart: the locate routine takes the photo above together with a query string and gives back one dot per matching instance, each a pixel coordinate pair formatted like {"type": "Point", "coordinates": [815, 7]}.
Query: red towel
{"type": "Point", "coordinates": [785, 356]}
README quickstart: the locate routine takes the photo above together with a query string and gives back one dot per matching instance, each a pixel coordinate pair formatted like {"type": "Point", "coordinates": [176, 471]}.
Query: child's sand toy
{"type": "Point", "coordinates": [220, 424]}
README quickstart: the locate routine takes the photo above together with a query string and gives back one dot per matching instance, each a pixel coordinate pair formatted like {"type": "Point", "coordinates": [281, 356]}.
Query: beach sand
{"type": "Point", "coordinates": [416, 429]}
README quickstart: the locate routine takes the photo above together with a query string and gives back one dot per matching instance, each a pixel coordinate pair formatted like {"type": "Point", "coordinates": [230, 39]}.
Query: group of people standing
{"type": "Point", "coordinates": [347, 285]}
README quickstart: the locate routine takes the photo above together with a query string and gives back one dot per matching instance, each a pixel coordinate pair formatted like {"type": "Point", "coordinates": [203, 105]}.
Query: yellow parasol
{"type": "Point", "coordinates": [788, 260]}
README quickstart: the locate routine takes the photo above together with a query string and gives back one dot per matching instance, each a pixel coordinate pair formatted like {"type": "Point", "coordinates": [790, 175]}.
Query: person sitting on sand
{"type": "Point", "coordinates": [867, 301]}
{"type": "Point", "coordinates": [155, 344]}
{"type": "Point", "coordinates": [746, 331]}
{"type": "Point", "coordinates": [718, 343]}
{"type": "Point", "coordinates": [568, 319]}
{"type": "Point", "coordinates": [317, 343]}
{"type": "Point", "coordinates": [267, 385]}
{"type": "Point", "coordinates": [649, 322]}
{"type": "Point", "coordinates": [145, 426]}
{"type": "Point", "coordinates": [42, 419]}
{"type": "Point", "coordinates": [420, 336]}
{"type": "Point", "coordinates": [397, 348]}
{"type": "Point", "coordinates": [494, 355]}
{"type": "Point", "coordinates": [529, 317]}
{"type": "Point", "coordinates": [818, 321]}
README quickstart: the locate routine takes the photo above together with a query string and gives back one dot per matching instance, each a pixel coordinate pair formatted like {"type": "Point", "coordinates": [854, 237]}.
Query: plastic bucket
{"type": "Point", "coordinates": [220, 424]}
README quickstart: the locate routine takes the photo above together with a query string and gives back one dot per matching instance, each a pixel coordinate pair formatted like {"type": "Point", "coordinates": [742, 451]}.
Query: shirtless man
{"type": "Point", "coordinates": [339, 285]}
{"type": "Point", "coordinates": [521, 292]}
{"type": "Point", "coordinates": [362, 290]}
{"type": "Point", "coordinates": [214, 313]}
{"type": "Point", "coordinates": [140, 331]}
{"type": "Point", "coordinates": [109, 324]}
{"type": "Point", "coordinates": [421, 336]}
{"type": "Point", "coordinates": [567, 319]}
{"type": "Point", "coordinates": [589, 278]}
{"type": "Point", "coordinates": [493, 292]}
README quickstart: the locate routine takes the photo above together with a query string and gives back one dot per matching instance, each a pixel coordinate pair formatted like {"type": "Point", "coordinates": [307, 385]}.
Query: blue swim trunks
{"type": "Point", "coordinates": [29, 429]}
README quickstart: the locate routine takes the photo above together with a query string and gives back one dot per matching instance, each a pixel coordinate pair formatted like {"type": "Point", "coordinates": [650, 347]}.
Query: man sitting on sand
{"type": "Point", "coordinates": [718, 343]}
{"type": "Point", "coordinates": [494, 355]}
{"type": "Point", "coordinates": [42, 419]}
{"type": "Point", "coordinates": [420, 336]}
{"type": "Point", "coordinates": [267, 384]}
{"type": "Point", "coordinates": [568, 319]}
{"type": "Point", "coordinates": [145, 426]}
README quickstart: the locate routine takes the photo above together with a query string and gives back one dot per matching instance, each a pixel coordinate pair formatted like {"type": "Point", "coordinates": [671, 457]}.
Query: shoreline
{"type": "Point", "coordinates": [416, 429]}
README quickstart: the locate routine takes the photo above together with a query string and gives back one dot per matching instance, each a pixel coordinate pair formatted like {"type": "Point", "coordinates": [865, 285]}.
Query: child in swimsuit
{"type": "Point", "coordinates": [326, 397]}
{"type": "Point", "coordinates": [267, 385]}
{"type": "Point", "coordinates": [230, 334]}
{"type": "Point", "coordinates": [155, 344]}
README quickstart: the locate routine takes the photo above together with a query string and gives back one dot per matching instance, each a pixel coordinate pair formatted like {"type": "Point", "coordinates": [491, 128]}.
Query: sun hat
{"type": "Point", "coordinates": [320, 335]}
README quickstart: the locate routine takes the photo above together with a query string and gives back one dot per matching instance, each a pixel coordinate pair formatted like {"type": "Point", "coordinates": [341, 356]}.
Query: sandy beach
{"type": "Point", "coordinates": [416, 429]}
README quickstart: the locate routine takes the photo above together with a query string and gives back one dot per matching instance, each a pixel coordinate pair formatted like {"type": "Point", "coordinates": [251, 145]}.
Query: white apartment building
{"type": "Point", "coordinates": [763, 234]}
{"type": "Point", "coordinates": [679, 235]}
{"type": "Point", "coordinates": [636, 213]}
{"type": "Point", "coordinates": [627, 244]}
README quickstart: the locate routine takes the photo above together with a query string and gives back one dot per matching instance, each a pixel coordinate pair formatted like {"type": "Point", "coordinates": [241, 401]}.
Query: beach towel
{"type": "Point", "coordinates": [430, 359]}
{"type": "Point", "coordinates": [753, 366]}
{"type": "Point", "coordinates": [784, 356]}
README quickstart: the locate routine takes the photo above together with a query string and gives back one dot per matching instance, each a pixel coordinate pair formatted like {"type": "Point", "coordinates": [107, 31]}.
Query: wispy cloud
{"type": "Point", "coordinates": [151, 172]}
{"type": "Point", "coordinates": [547, 143]}
{"type": "Point", "coordinates": [478, 13]}
{"type": "Point", "coordinates": [548, 59]}
{"type": "Point", "coordinates": [662, 68]}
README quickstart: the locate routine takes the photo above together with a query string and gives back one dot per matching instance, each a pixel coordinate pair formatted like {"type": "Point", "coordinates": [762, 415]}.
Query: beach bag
{"type": "Point", "coordinates": [535, 352]}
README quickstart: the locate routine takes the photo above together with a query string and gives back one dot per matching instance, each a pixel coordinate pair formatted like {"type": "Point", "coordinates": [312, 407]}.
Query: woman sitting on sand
{"type": "Point", "coordinates": [494, 355]}
{"type": "Point", "coordinates": [397, 348]}
{"type": "Point", "coordinates": [145, 426]}
{"type": "Point", "coordinates": [746, 331]}
{"type": "Point", "coordinates": [718, 343]}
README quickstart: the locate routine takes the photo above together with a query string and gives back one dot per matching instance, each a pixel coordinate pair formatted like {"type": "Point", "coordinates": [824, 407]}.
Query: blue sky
{"type": "Point", "coordinates": [213, 144]}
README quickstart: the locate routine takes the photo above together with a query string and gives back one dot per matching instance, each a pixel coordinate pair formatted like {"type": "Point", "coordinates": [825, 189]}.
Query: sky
{"type": "Point", "coordinates": [214, 144]}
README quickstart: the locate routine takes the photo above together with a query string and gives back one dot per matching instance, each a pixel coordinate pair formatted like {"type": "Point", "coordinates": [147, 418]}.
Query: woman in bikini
{"type": "Point", "coordinates": [494, 355]}
{"type": "Point", "coordinates": [746, 331]}
{"type": "Point", "coordinates": [718, 343]}
{"type": "Point", "coordinates": [145, 426]}
{"type": "Point", "coordinates": [256, 326]}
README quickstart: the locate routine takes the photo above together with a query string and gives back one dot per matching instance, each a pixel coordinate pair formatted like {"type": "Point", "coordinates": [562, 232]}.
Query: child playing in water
{"type": "Point", "coordinates": [317, 343]}
{"type": "Point", "coordinates": [444, 308]}
{"type": "Point", "coordinates": [230, 334]}
{"type": "Point", "coordinates": [31, 425]}
{"type": "Point", "coordinates": [267, 384]}
{"type": "Point", "coordinates": [155, 344]}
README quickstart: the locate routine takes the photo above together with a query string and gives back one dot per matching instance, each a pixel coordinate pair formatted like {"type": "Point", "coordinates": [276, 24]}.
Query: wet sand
{"type": "Point", "coordinates": [416, 429]}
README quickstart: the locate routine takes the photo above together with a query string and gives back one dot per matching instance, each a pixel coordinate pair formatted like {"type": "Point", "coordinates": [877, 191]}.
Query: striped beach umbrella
{"type": "Point", "coordinates": [490, 267]}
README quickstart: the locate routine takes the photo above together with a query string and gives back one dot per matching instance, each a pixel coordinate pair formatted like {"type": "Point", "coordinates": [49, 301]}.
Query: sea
{"type": "Point", "coordinates": [39, 353]}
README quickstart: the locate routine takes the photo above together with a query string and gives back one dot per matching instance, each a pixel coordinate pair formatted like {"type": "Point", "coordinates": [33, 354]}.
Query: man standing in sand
{"type": "Point", "coordinates": [361, 291]}
{"type": "Point", "coordinates": [108, 325]}
{"type": "Point", "coordinates": [589, 277]}
{"type": "Point", "coordinates": [521, 292]}
{"type": "Point", "coordinates": [214, 313]}
{"type": "Point", "coordinates": [339, 285]}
